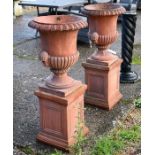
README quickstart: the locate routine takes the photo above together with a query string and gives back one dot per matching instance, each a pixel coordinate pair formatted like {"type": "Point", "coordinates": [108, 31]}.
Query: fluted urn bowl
{"type": "Point", "coordinates": [102, 19]}
{"type": "Point", "coordinates": [58, 35]}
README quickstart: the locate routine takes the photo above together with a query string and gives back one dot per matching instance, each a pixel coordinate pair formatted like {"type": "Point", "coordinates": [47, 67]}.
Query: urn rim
{"type": "Point", "coordinates": [57, 23]}
{"type": "Point", "coordinates": [103, 9]}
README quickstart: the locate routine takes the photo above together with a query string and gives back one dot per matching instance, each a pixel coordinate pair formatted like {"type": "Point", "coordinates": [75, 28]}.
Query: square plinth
{"type": "Point", "coordinates": [60, 111]}
{"type": "Point", "coordinates": [102, 79]}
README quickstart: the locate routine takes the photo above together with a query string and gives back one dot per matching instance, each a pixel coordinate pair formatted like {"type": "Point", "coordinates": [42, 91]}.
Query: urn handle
{"type": "Point", "coordinates": [44, 57]}
{"type": "Point", "coordinates": [94, 37]}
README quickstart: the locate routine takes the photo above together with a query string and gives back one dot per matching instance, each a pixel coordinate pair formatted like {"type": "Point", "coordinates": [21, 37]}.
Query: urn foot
{"type": "Point", "coordinates": [60, 81]}
{"type": "Point", "coordinates": [103, 55]}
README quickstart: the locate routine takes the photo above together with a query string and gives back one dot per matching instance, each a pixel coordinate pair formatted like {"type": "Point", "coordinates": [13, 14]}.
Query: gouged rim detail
{"type": "Point", "coordinates": [108, 9]}
{"type": "Point", "coordinates": [76, 25]}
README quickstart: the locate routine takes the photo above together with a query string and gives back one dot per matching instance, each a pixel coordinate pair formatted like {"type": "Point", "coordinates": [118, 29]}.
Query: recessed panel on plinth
{"type": "Point", "coordinates": [59, 114]}
{"type": "Point", "coordinates": [103, 83]}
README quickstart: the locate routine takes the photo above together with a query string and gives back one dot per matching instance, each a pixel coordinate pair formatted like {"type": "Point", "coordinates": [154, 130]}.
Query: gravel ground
{"type": "Point", "coordinates": [28, 72]}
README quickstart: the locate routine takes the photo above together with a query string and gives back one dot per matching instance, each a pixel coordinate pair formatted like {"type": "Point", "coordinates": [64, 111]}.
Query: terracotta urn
{"type": "Point", "coordinates": [102, 68]}
{"type": "Point", "coordinates": [61, 98]}
{"type": "Point", "coordinates": [59, 46]}
{"type": "Point", "coordinates": [102, 19]}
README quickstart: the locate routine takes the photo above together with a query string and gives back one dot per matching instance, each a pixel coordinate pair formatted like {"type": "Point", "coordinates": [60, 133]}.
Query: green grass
{"type": "Point", "coordinates": [116, 141]}
{"type": "Point", "coordinates": [136, 60]}
{"type": "Point", "coordinates": [127, 101]}
{"type": "Point", "coordinates": [137, 103]}
{"type": "Point", "coordinates": [107, 146]}
{"type": "Point", "coordinates": [131, 135]}
{"type": "Point", "coordinates": [76, 149]}
{"type": "Point", "coordinates": [27, 150]}
{"type": "Point", "coordinates": [57, 152]}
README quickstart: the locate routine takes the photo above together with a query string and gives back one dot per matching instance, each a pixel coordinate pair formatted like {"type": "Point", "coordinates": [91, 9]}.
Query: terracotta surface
{"type": "Point", "coordinates": [59, 46]}
{"type": "Point", "coordinates": [102, 19]}
{"type": "Point", "coordinates": [102, 68]}
{"type": "Point", "coordinates": [61, 98]}
{"type": "Point", "coordinates": [103, 83]}
{"type": "Point", "coordinates": [60, 112]}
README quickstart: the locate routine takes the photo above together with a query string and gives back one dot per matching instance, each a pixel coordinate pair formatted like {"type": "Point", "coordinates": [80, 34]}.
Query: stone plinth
{"type": "Point", "coordinates": [59, 114]}
{"type": "Point", "coordinates": [102, 79]}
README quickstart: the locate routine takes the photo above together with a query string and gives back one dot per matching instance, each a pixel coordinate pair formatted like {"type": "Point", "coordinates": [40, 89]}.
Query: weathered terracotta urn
{"type": "Point", "coordinates": [61, 97]}
{"type": "Point", "coordinates": [102, 68]}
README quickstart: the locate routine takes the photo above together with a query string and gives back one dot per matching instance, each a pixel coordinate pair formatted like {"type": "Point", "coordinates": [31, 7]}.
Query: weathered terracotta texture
{"type": "Point", "coordinates": [59, 46]}
{"type": "Point", "coordinates": [102, 19]}
{"type": "Point", "coordinates": [61, 98]}
{"type": "Point", "coordinates": [103, 83]}
{"type": "Point", "coordinates": [102, 68]}
{"type": "Point", "coordinates": [60, 112]}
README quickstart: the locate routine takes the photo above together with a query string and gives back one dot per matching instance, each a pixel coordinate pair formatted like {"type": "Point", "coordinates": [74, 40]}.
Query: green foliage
{"type": "Point", "coordinates": [107, 146]}
{"type": "Point", "coordinates": [56, 153]}
{"type": "Point", "coordinates": [137, 103]}
{"type": "Point", "coordinates": [130, 135]}
{"type": "Point", "coordinates": [117, 140]}
{"type": "Point", "coordinates": [27, 150]}
{"type": "Point", "coordinates": [127, 101]}
{"type": "Point", "coordinates": [136, 60]}
{"type": "Point", "coordinates": [76, 149]}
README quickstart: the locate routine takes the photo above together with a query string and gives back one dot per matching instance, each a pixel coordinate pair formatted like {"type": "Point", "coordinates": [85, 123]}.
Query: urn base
{"type": "Point", "coordinates": [102, 79]}
{"type": "Point", "coordinates": [60, 82]}
{"type": "Point", "coordinates": [60, 112]}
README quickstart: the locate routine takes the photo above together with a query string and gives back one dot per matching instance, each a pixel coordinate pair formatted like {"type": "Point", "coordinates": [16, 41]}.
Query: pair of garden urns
{"type": "Point", "coordinates": [62, 98]}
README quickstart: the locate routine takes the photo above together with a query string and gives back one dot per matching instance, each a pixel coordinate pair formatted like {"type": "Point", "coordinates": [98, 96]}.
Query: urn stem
{"type": "Point", "coordinates": [59, 81]}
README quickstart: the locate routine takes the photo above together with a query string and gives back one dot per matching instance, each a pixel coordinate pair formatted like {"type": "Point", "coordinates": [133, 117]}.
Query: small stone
{"type": "Point", "coordinates": [34, 77]}
{"type": "Point", "coordinates": [24, 82]}
{"type": "Point", "coordinates": [113, 123]}
{"type": "Point", "coordinates": [25, 91]}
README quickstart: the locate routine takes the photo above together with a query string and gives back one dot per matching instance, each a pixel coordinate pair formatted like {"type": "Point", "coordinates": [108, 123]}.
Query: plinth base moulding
{"type": "Point", "coordinates": [60, 111]}
{"type": "Point", "coordinates": [102, 79]}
